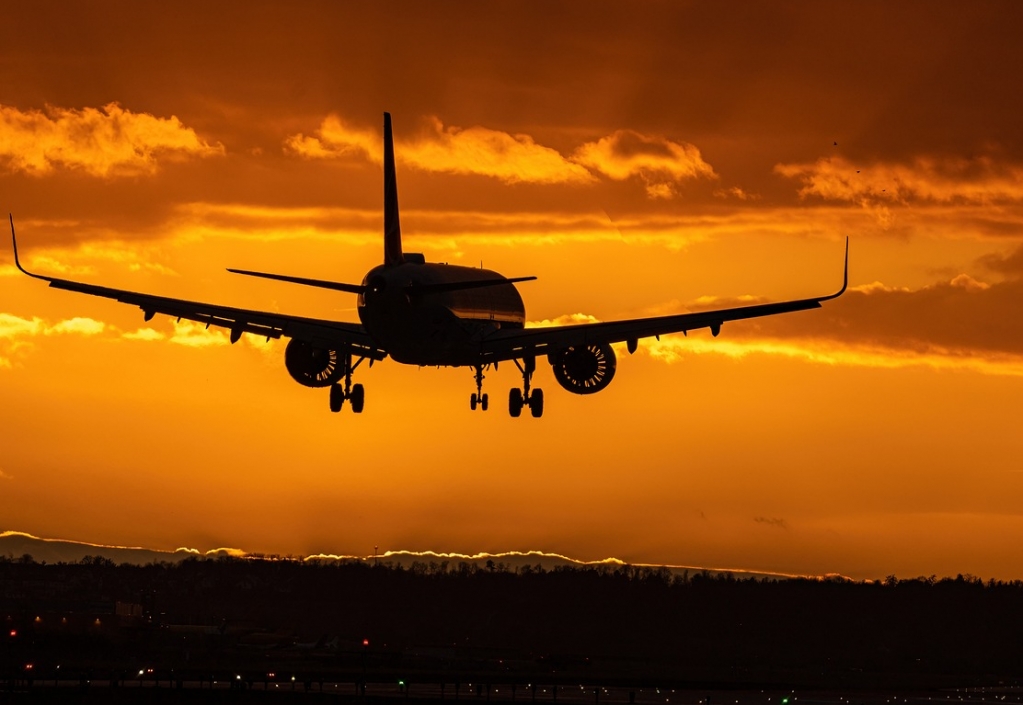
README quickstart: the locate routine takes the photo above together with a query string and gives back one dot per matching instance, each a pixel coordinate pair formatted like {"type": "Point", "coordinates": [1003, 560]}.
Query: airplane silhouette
{"type": "Point", "coordinates": [426, 313]}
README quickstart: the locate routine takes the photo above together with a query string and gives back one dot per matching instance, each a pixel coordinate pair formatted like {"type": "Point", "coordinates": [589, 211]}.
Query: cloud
{"type": "Point", "coordinates": [1008, 263]}
{"type": "Point", "coordinates": [196, 335]}
{"type": "Point", "coordinates": [16, 333]}
{"type": "Point", "coordinates": [106, 142]}
{"type": "Point", "coordinates": [773, 522]}
{"type": "Point", "coordinates": [336, 139]}
{"type": "Point", "coordinates": [568, 319]}
{"type": "Point", "coordinates": [453, 150]}
{"type": "Point", "coordinates": [661, 163]}
{"type": "Point", "coordinates": [146, 334]}
{"type": "Point", "coordinates": [81, 326]}
{"type": "Point", "coordinates": [12, 326]}
{"type": "Point", "coordinates": [958, 324]}
{"type": "Point", "coordinates": [5, 476]}
{"type": "Point", "coordinates": [478, 150]}
{"type": "Point", "coordinates": [977, 181]}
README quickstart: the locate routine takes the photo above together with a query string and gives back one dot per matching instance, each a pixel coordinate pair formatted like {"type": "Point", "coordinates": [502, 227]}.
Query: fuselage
{"type": "Point", "coordinates": [408, 313]}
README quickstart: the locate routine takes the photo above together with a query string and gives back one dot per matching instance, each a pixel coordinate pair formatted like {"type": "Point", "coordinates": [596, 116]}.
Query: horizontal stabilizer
{"type": "Point", "coordinates": [423, 289]}
{"type": "Point", "coordinates": [337, 286]}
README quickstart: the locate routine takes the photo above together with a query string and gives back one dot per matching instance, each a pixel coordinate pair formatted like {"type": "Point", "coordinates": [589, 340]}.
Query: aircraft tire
{"type": "Point", "coordinates": [472, 401]}
{"type": "Point", "coordinates": [515, 402]}
{"type": "Point", "coordinates": [536, 403]}
{"type": "Point", "coordinates": [484, 402]}
{"type": "Point", "coordinates": [337, 397]}
{"type": "Point", "coordinates": [358, 398]}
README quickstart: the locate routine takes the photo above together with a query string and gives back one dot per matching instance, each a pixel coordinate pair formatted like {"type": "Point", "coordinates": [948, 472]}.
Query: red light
{"type": "Point", "coordinates": [14, 632]}
{"type": "Point", "coordinates": [28, 667]}
{"type": "Point", "coordinates": [365, 642]}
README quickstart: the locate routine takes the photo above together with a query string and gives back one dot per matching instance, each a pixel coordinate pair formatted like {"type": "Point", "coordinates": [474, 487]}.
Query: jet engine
{"type": "Point", "coordinates": [311, 366]}
{"type": "Point", "coordinates": [584, 369]}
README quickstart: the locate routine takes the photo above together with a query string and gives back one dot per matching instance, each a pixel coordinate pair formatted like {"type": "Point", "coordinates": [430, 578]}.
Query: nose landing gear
{"type": "Point", "coordinates": [354, 393]}
{"type": "Point", "coordinates": [518, 398]}
{"type": "Point", "coordinates": [479, 398]}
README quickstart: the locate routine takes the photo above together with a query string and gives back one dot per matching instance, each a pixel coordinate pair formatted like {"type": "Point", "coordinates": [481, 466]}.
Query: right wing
{"type": "Point", "coordinates": [317, 332]}
{"type": "Point", "coordinates": [510, 344]}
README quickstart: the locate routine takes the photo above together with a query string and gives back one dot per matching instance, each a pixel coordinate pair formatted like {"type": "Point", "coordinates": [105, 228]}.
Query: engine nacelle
{"type": "Point", "coordinates": [311, 366]}
{"type": "Point", "coordinates": [585, 369]}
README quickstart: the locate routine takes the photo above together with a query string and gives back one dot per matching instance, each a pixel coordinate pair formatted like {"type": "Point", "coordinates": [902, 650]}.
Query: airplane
{"type": "Point", "coordinates": [431, 314]}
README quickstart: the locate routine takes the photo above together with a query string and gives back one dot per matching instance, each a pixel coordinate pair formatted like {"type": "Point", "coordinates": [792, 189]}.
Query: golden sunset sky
{"type": "Point", "coordinates": [639, 159]}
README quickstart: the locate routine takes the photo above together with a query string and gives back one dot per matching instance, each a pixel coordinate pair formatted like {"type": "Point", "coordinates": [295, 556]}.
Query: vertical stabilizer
{"type": "Point", "coordinates": [392, 227]}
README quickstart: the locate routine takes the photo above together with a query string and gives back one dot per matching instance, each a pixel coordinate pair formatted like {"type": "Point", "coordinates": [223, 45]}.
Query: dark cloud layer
{"type": "Point", "coordinates": [962, 316]}
{"type": "Point", "coordinates": [905, 78]}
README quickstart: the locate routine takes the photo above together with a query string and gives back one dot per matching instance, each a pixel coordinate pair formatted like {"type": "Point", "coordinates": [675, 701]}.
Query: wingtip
{"type": "Point", "coordinates": [14, 244]}
{"type": "Point", "coordinates": [17, 260]}
{"type": "Point", "coordinates": [845, 272]}
{"type": "Point", "coordinates": [845, 276]}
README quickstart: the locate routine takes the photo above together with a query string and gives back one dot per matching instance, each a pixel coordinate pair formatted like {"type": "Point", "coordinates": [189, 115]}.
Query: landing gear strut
{"type": "Point", "coordinates": [518, 398]}
{"type": "Point", "coordinates": [354, 393]}
{"type": "Point", "coordinates": [479, 398]}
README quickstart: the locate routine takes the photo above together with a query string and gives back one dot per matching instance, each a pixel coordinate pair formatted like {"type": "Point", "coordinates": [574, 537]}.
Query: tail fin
{"type": "Point", "coordinates": [392, 227]}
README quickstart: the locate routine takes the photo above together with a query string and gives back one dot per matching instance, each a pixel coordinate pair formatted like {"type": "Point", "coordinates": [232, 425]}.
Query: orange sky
{"type": "Point", "coordinates": [638, 162]}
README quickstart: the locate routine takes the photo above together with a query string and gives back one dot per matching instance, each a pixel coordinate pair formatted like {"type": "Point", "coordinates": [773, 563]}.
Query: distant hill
{"type": "Point", "coordinates": [14, 544]}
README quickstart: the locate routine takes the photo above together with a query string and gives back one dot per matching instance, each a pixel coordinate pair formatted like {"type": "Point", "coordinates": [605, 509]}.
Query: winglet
{"type": "Point", "coordinates": [17, 262]}
{"type": "Point", "coordinates": [845, 277]}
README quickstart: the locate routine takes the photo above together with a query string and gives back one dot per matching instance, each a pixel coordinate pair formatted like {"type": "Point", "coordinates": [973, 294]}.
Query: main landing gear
{"type": "Point", "coordinates": [518, 398]}
{"type": "Point", "coordinates": [354, 393]}
{"type": "Point", "coordinates": [479, 398]}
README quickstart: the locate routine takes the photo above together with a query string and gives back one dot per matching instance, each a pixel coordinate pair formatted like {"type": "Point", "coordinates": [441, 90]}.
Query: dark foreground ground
{"type": "Point", "coordinates": [284, 693]}
{"type": "Point", "coordinates": [244, 630]}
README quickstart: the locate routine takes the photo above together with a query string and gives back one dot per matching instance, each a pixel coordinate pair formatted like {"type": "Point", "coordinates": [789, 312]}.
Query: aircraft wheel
{"type": "Point", "coordinates": [337, 397]}
{"type": "Point", "coordinates": [484, 402]}
{"type": "Point", "coordinates": [536, 403]}
{"type": "Point", "coordinates": [472, 401]}
{"type": "Point", "coordinates": [515, 402]}
{"type": "Point", "coordinates": [358, 398]}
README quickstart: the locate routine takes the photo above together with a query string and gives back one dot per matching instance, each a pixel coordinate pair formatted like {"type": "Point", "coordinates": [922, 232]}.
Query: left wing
{"type": "Point", "coordinates": [532, 342]}
{"type": "Point", "coordinates": [317, 332]}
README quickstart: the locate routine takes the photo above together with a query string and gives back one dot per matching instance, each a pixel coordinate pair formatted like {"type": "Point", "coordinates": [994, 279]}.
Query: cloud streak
{"type": "Point", "coordinates": [977, 181]}
{"type": "Point", "coordinates": [662, 164]}
{"type": "Point", "coordinates": [960, 324]}
{"type": "Point", "coordinates": [659, 162]}
{"type": "Point", "coordinates": [453, 150]}
{"type": "Point", "coordinates": [104, 142]}
{"type": "Point", "coordinates": [16, 332]}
